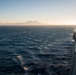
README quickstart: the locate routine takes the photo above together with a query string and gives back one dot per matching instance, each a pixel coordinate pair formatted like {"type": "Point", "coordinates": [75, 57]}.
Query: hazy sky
{"type": "Point", "coordinates": [45, 11]}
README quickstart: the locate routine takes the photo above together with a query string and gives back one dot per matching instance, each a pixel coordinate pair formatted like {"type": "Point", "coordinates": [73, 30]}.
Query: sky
{"type": "Point", "coordinates": [53, 12]}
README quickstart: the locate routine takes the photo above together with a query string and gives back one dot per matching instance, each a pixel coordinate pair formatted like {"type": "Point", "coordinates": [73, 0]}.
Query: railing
{"type": "Point", "coordinates": [73, 60]}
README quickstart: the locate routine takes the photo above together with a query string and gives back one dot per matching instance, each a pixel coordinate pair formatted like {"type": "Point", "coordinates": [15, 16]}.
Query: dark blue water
{"type": "Point", "coordinates": [35, 50]}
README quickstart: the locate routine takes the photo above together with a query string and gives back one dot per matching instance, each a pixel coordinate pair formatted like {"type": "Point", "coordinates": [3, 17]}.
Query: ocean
{"type": "Point", "coordinates": [35, 50]}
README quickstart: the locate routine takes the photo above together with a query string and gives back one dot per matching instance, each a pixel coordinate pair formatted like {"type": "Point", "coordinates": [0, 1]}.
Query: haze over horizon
{"type": "Point", "coordinates": [50, 12]}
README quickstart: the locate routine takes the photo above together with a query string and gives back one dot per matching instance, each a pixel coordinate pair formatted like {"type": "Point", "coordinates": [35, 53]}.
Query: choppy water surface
{"type": "Point", "coordinates": [35, 50]}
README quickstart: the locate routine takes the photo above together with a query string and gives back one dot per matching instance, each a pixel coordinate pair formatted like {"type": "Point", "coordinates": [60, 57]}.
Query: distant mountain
{"type": "Point", "coordinates": [25, 23]}
{"type": "Point", "coordinates": [33, 23]}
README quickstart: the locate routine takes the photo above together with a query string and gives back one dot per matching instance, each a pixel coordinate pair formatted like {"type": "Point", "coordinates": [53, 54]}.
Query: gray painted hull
{"type": "Point", "coordinates": [73, 61]}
